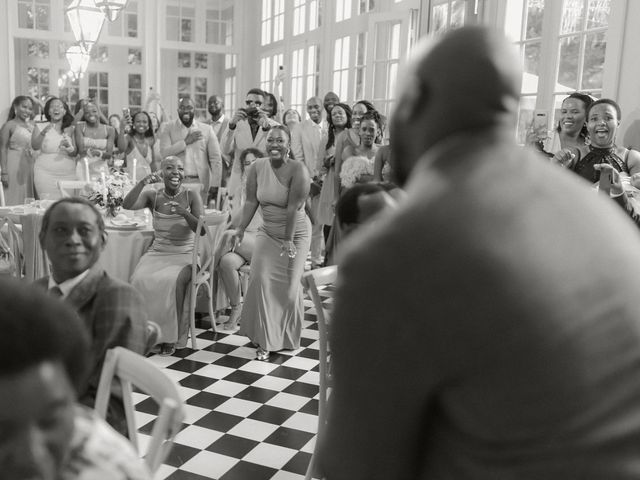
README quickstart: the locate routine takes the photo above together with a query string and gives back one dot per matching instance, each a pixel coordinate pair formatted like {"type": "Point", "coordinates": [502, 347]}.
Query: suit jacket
{"type": "Point", "coordinates": [306, 142]}
{"type": "Point", "coordinates": [205, 153]}
{"type": "Point", "coordinates": [512, 292]}
{"type": "Point", "coordinates": [114, 314]}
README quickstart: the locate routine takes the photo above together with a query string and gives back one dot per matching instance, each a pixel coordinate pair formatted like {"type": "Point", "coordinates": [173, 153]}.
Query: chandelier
{"type": "Point", "coordinates": [86, 22]}
{"type": "Point", "coordinates": [111, 8]}
{"type": "Point", "coordinates": [78, 61]}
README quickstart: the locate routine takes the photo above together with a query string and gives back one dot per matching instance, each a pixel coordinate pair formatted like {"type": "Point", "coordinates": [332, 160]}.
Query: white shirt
{"type": "Point", "coordinates": [69, 284]}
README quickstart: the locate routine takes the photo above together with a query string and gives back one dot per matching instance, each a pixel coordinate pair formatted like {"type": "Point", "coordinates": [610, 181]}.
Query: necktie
{"type": "Point", "coordinates": [56, 292]}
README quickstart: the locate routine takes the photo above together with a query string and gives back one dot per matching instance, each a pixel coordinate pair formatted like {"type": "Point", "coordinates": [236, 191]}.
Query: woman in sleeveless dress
{"type": "Point", "coordinates": [273, 312]}
{"type": "Point", "coordinates": [163, 273]}
{"type": "Point", "coordinates": [94, 139]}
{"type": "Point", "coordinates": [137, 140]}
{"type": "Point", "coordinates": [16, 160]}
{"type": "Point", "coordinates": [57, 158]}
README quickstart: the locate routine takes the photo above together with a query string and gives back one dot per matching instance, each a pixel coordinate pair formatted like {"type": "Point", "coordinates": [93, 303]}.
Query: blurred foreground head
{"type": "Point", "coordinates": [467, 80]}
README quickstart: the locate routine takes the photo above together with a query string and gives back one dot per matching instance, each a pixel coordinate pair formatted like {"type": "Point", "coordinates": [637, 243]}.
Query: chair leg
{"type": "Point", "coordinates": [192, 316]}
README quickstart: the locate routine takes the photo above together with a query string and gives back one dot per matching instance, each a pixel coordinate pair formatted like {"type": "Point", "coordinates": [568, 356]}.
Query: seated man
{"type": "Point", "coordinates": [73, 235]}
{"type": "Point", "coordinates": [45, 434]}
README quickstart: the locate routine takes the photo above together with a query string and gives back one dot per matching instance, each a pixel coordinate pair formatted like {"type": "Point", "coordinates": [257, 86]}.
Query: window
{"type": "Point", "coordinates": [219, 24]}
{"type": "Point", "coordinates": [365, 6]}
{"type": "Point", "coordinates": [447, 14]}
{"type": "Point", "coordinates": [200, 96]}
{"type": "Point", "coordinates": [230, 83]}
{"type": "Point", "coordinates": [361, 57]}
{"type": "Point", "coordinates": [343, 10]}
{"type": "Point", "coordinates": [314, 14]}
{"type": "Point", "coordinates": [126, 25]}
{"type": "Point", "coordinates": [272, 24]}
{"type": "Point", "coordinates": [297, 79]}
{"type": "Point", "coordinates": [299, 16]}
{"type": "Point", "coordinates": [313, 70]}
{"type": "Point", "coordinates": [385, 63]}
{"type": "Point", "coordinates": [268, 69]}
{"type": "Point", "coordinates": [341, 68]}
{"type": "Point", "coordinates": [135, 92]}
{"type": "Point", "coordinates": [180, 23]}
{"type": "Point", "coordinates": [38, 82]}
{"type": "Point", "coordinates": [201, 60]}
{"type": "Point", "coordinates": [184, 59]}
{"type": "Point", "coordinates": [38, 49]}
{"type": "Point", "coordinates": [33, 14]}
{"type": "Point", "coordinates": [99, 90]}
{"type": "Point", "coordinates": [134, 57]}
{"type": "Point", "coordinates": [564, 42]}
{"type": "Point", "coordinates": [69, 89]}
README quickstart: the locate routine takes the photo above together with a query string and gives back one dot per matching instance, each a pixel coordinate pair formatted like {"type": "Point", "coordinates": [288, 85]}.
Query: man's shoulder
{"type": "Point", "coordinates": [108, 285]}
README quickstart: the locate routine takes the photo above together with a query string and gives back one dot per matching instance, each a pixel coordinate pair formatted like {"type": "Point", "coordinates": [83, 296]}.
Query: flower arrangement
{"type": "Point", "coordinates": [109, 191]}
{"type": "Point", "coordinates": [356, 169]}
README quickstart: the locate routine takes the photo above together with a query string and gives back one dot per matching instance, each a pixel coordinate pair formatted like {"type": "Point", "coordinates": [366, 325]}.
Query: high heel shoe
{"type": "Point", "coordinates": [262, 354]}
{"type": "Point", "coordinates": [234, 316]}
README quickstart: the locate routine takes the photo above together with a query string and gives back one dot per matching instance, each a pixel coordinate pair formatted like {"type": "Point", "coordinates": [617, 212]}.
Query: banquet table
{"type": "Point", "coordinates": [125, 244]}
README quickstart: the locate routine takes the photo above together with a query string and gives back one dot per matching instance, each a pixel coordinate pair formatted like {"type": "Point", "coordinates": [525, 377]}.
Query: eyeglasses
{"type": "Point", "coordinates": [250, 102]}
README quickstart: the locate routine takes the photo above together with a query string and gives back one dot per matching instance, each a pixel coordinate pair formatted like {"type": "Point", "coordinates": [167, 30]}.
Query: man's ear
{"type": "Point", "coordinates": [103, 239]}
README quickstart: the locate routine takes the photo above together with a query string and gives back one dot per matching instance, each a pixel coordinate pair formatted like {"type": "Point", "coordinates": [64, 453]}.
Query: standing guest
{"type": "Point", "coordinates": [94, 139]}
{"type": "Point", "coordinates": [56, 160]}
{"type": "Point", "coordinates": [73, 236]}
{"type": "Point", "coordinates": [137, 141]}
{"type": "Point", "coordinates": [163, 273]}
{"type": "Point", "coordinates": [525, 365]}
{"type": "Point", "coordinates": [359, 163]}
{"type": "Point", "coordinates": [115, 121]}
{"type": "Point", "coordinates": [220, 124]}
{"type": "Point", "coordinates": [195, 144]}
{"type": "Point", "coordinates": [16, 156]}
{"type": "Point", "coordinates": [330, 99]}
{"type": "Point", "coordinates": [338, 120]}
{"type": "Point", "coordinates": [272, 313]}
{"type": "Point", "coordinates": [271, 106]}
{"type": "Point", "coordinates": [248, 128]}
{"type": "Point", "coordinates": [46, 434]}
{"type": "Point", "coordinates": [306, 143]}
{"type": "Point", "coordinates": [382, 164]}
{"type": "Point", "coordinates": [291, 118]}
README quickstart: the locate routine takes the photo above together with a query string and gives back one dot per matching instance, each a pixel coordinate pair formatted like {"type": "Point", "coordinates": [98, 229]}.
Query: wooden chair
{"type": "Point", "coordinates": [133, 369]}
{"type": "Point", "coordinates": [71, 188]}
{"type": "Point", "coordinates": [312, 281]}
{"type": "Point", "coordinates": [203, 266]}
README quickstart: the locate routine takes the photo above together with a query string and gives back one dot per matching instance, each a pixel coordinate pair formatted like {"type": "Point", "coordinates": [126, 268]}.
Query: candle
{"type": "Point", "coordinates": [103, 176]}
{"type": "Point", "coordinates": [86, 169]}
{"type": "Point", "coordinates": [133, 170]}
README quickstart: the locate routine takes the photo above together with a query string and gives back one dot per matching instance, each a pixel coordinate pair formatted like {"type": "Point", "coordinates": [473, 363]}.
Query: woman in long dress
{"type": "Point", "coordinates": [16, 161]}
{"type": "Point", "coordinates": [273, 312]}
{"type": "Point", "coordinates": [163, 273]}
{"type": "Point", "coordinates": [57, 158]}
{"type": "Point", "coordinates": [136, 139]}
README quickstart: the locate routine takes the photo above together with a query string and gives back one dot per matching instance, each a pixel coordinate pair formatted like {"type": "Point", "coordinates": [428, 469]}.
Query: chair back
{"type": "Point", "coordinates": [11, 259]}
{"type": "Point", "coordinates": [133, 369]}
{"type": "Point", "coordinates": [313, 281]}
{"type": "Point", "coordinates": [71, 188]}
{"type": "Point", "coordinates": [203, 264]}
{"type": "Point", "coordinates": [222, 200]}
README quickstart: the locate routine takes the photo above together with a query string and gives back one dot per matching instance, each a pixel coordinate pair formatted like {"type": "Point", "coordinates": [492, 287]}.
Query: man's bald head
{"type": "Point", "coordinates": [470, 79]}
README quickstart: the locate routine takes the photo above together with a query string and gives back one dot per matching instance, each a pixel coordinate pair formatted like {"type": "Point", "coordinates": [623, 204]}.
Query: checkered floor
{"type": "Point", "coordinates": [245, 419]}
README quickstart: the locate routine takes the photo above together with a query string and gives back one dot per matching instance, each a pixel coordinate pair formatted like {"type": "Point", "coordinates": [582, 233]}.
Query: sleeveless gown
{"type": "Point", "coordinates": [155, 276]}
{"type": "Point", "coordinates": [19, 167]}
{"type": "Point", "coordinates": [273, 311]}
{"type": "Point", "coordinates": [52, 165]}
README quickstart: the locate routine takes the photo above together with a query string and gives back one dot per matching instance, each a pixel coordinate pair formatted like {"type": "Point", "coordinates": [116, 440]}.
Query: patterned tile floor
{"type": "Point", "coordinates": [245, 419]}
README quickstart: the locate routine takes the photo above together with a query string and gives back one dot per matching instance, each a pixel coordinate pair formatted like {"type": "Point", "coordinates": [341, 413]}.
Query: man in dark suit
{"type": "Point", "coordinates": [490, 327]}
{"type": "Point", "coordinates": [73, 235]}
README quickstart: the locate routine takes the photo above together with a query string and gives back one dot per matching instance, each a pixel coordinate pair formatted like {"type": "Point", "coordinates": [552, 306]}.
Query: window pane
{"type": "Point", "coordinates": [184, 59]}
{"type": "Point", "coordinates": [135, 56]}
{"type": "Point", "coordinates": [201, 86]}
{"type": "Point", "coordinates": [104, 97]}
{"type": "Point", "coordinates": [439, 15]}
{"type": "Point", "coordinates": [184, 86]}
{"type": "Point", "coordinates": [532, 58]}
{"type": "Point", "coordinates": [598, 14]}
{"type": "Point", "coordinates": [572, 16]}
{"type": "Point", "coordinates": [38, 49]}
{"type": "Point", "coordinates": [568, 64]}
{"type": "Point", "coordinates": [173, 29]}
{"type": "Point", "coordinates": [525, 116]}
{"type": "Point", "coordinates": [25, 16]}
{"type": "Point", "coordinates": [535, 12]}
{"type": "Point", "coordinates": [595, 47]}
{"type": "Point", "coordinates": [458, 9]}
{"type": "Point", "coordinates": [201, 60]}
{"type": "Point", "coordinates": [135, 97]}
{"type": "Point", "coordinates": [135, 80]}
{"type": "Point", "coordinates": [104, 79]}
{"type": "Point", "coordinates": [186, 25]}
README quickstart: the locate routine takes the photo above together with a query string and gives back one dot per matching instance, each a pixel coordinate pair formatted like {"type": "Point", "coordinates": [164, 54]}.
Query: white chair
{"type": "Point", "coordinates": [11, 248]}
{"type": "Point", "coordinates": [133, 369]}
{"type": "Point", "coordinates": [203, 266]}
{"type": "Point", "coordinates": [222, 200]}
{"type": "Point", "coordinates": [2, 201]}
{"type": "Point", "coordinates": [71, 188]}
{"type": "Point", "coordinates": [312, 281]}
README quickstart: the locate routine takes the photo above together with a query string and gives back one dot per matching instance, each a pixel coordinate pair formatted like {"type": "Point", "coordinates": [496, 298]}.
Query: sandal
{"type": "Point", "coordinates": [234, 316]}
{"type": "Point", "coordinates": [262, 354]}
{"type": "Point", "coordinates": [167, 349]}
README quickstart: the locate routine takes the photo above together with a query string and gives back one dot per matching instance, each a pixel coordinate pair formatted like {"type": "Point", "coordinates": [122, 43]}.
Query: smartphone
{"type": "Point", "coordinates": [541, 124]}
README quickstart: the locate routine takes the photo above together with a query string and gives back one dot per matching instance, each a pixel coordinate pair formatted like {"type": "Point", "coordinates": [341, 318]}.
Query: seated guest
{"type": "Point", "coordinates": [137, 140]}
{"type": "Point", "coordinates": [163, 273]}
{"type": "Point", "coordinates": [46, 434]}
{"type": "Point", "coordinates": [94, 139]}
{"type": "Point", "coordinates": [231, 256]}
{"type": "Point", "coordinates": [73, 235]}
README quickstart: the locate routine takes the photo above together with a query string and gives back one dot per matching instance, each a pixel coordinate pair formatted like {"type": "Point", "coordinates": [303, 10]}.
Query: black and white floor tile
{"type": "Point", "coordinates": [245, 419]}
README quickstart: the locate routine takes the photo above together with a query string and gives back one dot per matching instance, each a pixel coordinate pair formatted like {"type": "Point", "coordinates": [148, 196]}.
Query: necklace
{"type": "Point", "coordinates": [172, 197]}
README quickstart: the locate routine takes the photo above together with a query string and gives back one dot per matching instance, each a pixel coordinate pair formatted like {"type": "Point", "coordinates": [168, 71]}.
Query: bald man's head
{"type": "Point", "coordinates": [470, 79]}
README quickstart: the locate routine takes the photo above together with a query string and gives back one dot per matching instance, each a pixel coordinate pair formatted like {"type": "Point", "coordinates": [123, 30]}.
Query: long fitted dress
{"type": "Point", "coordinates": [155, 276]}
{"type": "Point", "coordinates": [52, 165]}
{"type": "Point", "coordinates": [272, 313]}
{"type": "Point", "coordinates": [19, 166]}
